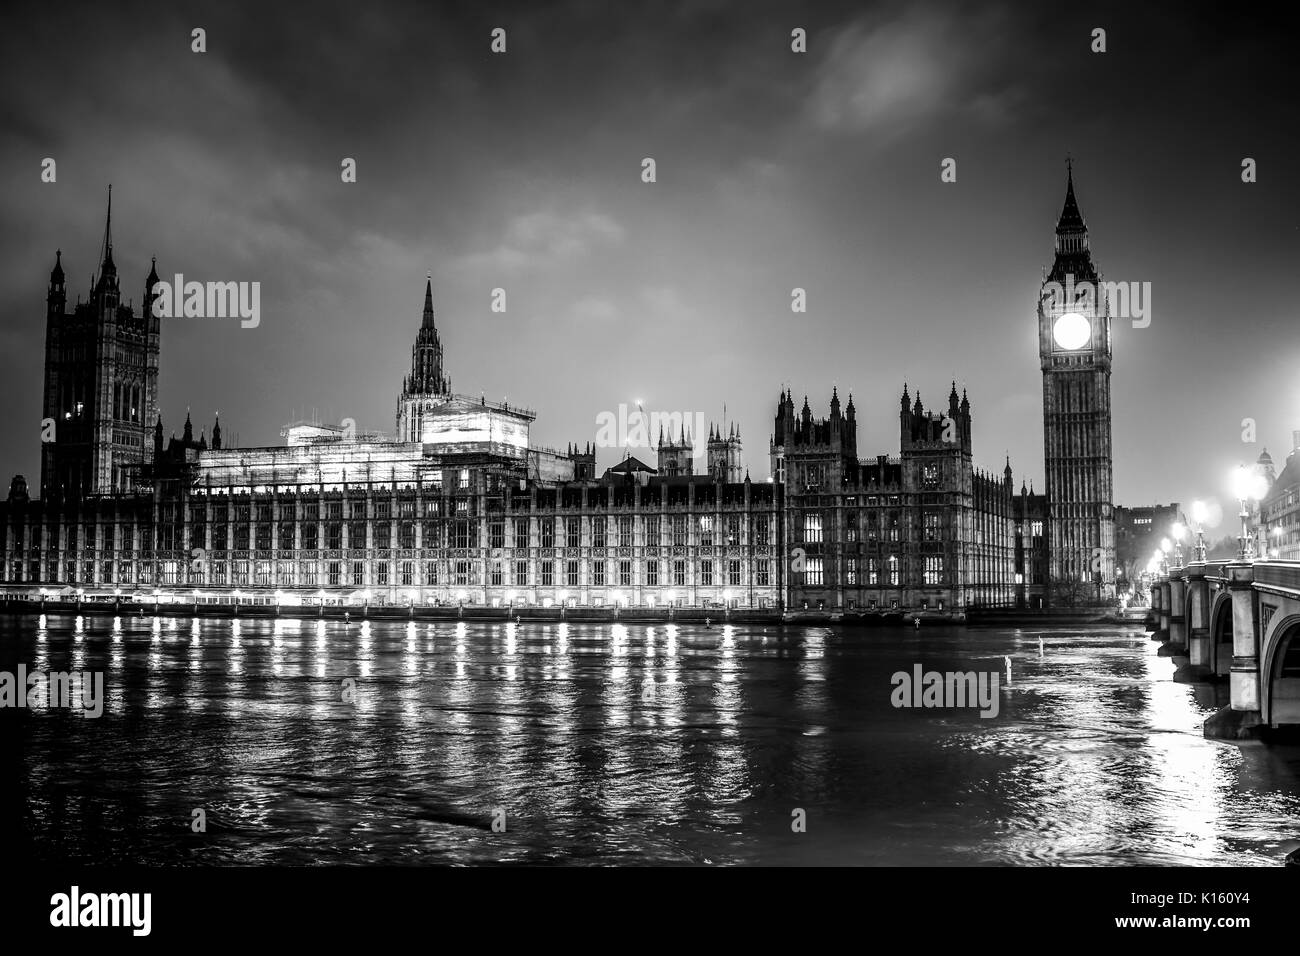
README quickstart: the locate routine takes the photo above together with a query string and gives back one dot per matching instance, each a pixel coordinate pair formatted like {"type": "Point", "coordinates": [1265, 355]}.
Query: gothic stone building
{"type": "Point", "coordinates": [924, 530]}
{"type": "Point", "coordinates": [461, 507]}
{"type": "Point", "coordinates": [100, 397]}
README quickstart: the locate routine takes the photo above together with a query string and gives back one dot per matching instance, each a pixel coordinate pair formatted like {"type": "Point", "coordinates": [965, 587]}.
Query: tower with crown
{"type": "Point", "coordinates": [810, 453]}
{"type": "Point", "coordinates": [675, 457]}
{"type": "Point", "coordinates": [724, 454]}
{"type": "Point", "coordinates": [1074, 347]}
{"type": "Point", "coordinates": [101, 382]}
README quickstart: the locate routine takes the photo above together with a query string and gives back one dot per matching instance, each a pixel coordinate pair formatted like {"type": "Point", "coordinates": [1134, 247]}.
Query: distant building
{"type": "Point", "coordinates": [1138, 532]}
{"type": "Point", "coordinates": [1280, 509]}
{"type": "Point", "coordinates": [1033, 559]}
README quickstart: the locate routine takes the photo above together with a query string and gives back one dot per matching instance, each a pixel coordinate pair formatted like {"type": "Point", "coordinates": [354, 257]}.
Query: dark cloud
{"type": "Point", "coordinates": [774, 171]}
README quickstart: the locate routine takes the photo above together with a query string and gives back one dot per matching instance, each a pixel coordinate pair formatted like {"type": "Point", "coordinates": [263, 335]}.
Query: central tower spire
{"type": "Point", "coordinates": [426, 355]}
{"type": "Point", "coordinates": [426, 383]}
{"type": "Point", "coordinates": [427, 323]}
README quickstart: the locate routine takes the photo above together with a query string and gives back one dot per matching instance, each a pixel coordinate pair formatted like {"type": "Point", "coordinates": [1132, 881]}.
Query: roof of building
{"type": "Point", "coordinates": [630, 465]}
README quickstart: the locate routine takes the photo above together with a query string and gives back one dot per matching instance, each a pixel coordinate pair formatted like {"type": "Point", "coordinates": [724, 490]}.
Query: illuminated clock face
{"type": "Point", "coordinates": [1071, 331]}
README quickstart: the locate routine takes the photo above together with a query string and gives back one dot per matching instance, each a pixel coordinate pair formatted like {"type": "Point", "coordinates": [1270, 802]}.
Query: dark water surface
{"type": "Point", "coordinates": [623, 744]}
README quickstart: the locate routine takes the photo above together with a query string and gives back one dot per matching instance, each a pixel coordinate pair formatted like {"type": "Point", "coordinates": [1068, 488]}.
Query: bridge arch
{"type": "Point", "coordinates": [1221, 634]}
{"type": "Point", "coordinates": [1280, 670]}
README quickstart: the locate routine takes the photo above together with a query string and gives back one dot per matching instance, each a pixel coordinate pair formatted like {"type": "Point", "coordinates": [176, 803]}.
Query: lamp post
{"type": "Point", "coordinates": [1166, 549]}
{"type": "Point", "coordinates": [1179, 531]}
{"type": "Point", "coordinates": [1247, 485]}
{"type": "Point", "coordinates": [1240, 481]}
{"type": "Point", "coordinates": [1198, 515]}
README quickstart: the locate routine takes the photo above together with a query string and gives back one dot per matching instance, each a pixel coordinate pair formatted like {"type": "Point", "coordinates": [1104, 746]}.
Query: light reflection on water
{"type": "Point", "coordinates": [627, 743]}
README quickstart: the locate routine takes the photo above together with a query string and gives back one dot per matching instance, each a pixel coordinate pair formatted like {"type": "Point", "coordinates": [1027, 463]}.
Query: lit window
{"type": "Point", "coordinates": [812, 529]}
{"type": "Point", "coordinates": [813, 572]}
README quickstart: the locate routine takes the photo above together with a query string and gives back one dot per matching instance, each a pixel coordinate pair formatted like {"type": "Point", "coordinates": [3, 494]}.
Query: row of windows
{"type": "Point", "coordinates": [814, 571]}
{"type": "Point", "coordinates": [353, 573]}
{"type": "Point", "coordinates": [463, 533]}
{"type": "Point", "coordinates": [813, 531]}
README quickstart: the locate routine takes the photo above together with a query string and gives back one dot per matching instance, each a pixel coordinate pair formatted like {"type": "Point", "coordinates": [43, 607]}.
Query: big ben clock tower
{"type": "Point", "coordinates": [1074, 349]}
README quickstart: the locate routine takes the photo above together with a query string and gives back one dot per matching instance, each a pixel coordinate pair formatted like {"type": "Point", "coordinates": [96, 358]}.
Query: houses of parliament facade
{"type": "Point", "coordinates": [460, 507]}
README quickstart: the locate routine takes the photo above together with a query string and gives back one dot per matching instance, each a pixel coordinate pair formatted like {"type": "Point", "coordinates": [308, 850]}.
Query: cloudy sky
{"type": "Point", "coordinates": [775, 170]}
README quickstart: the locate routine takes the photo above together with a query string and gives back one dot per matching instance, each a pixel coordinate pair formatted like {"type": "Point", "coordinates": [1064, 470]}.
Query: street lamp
{"type": "Point", "coordinates": [1179, 531]}
{"type": "Point", "coordinates": [1166, 549]}
{"type": "Point", "coordinates": [1199, 515]}
{"type": "Point", "coordinates": [1247, 485]}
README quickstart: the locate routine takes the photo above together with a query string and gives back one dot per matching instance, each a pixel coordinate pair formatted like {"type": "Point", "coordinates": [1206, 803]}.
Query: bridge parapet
{"type": "Point", "coordinates": [1250, 610]}
{"type": "Point", "coordinates": [1284, 575]}
{"type": "Point", "coordinates": [1213, 569]}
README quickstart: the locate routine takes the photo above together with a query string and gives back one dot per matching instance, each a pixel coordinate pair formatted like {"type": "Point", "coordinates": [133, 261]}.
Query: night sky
{"type": "Point", "coordinates": [775, 170]}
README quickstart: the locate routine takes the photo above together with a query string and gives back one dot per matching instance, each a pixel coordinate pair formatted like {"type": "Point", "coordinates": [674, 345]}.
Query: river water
{"type": "Point", "coordinates": [304, 742]}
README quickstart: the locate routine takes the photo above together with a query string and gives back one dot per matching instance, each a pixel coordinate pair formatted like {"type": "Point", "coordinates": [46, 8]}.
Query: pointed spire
{"type": "Point", "coordinates": [56, 274]}
{"type": "Point", "coordinates": [907, 399]}
{"type": "Point", "coordinates": [106, 251]}
{"type": "Point", "coordinates": [427, 322]}
{"type": "Point", "coordinates": [189, 429]}
{"type": "Point", "coordinates": [1071, 219]}
{"type": "Point", "coordinates": [152, 279]}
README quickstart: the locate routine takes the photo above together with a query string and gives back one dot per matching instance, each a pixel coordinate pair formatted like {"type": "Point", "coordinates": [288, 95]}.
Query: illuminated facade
{"type": "Point", "coordinates": [461, 507]}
